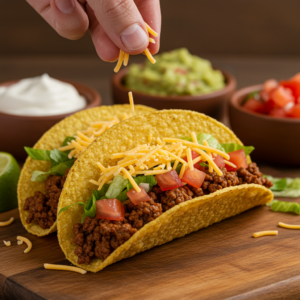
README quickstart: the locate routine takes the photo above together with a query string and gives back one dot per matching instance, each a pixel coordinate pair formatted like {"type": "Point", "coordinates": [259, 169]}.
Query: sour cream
{"type": "Point", "coordinates": [40, 96]}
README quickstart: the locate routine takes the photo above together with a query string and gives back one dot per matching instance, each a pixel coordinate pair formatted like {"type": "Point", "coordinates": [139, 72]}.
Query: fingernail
{"type": "Point", "coordinates": [65, 6]}
{"type": "Point", "coordinates": [134, 37]}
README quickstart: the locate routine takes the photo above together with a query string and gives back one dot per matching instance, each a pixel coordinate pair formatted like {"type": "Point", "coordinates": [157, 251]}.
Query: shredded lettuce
{"type": "Point", "coordinates": [38, 154]}
{"type": "Point", "coordinates": [284, 206]}
{"type": "Point", "coordinates": [212, 141]}
{"type": "Point", "coordinates": [234, 147]}
{"type": "Point", "coordinates": [116, 187]}
{"type": "Point", "coordinates": [60, 161]}
{"type": "Point", "coordinates": [285, 187]}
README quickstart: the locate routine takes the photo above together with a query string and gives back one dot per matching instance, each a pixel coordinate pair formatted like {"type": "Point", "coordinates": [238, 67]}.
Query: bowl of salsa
{"type": "Point", "coordinates": [267, 116]}
{"type": "Point", "coordinates": [177, 80]}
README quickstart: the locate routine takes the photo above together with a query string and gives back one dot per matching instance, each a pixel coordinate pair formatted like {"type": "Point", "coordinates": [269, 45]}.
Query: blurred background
{"type": "Point", "coordinates": [253, 39]}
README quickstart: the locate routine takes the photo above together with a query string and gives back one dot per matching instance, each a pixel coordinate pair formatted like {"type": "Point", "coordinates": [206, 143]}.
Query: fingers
{"type": "Point", "coordinates": [123, 24]}
{"type": "Point", "coordinates": [150, 11]}
{"type": "Point", "coordinates": [104, 46]}
{"type": "Point", "coordinates": [67, 17]}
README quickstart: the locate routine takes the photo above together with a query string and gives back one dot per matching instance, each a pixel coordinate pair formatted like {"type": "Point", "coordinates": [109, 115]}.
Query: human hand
{"type": "Point", "coordinates": [113, 24]}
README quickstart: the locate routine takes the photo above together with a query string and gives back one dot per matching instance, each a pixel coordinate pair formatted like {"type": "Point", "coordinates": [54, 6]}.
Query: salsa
{"type": "Point", "coordinates": [277, 99]}
{"type": "Point", "coordinates": [175, 73]}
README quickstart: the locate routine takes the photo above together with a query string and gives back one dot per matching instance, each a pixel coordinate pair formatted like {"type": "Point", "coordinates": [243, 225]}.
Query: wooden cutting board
{"type": "Point", "coordinates": [220, 262]}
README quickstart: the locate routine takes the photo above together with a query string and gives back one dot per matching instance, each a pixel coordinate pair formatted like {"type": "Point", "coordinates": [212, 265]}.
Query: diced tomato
{"type": "Point", "coordinates": [136, 197]}
{"type": "Point", "coordinates": [194, 177]}
{"type": "Point", "coordinates": [219, 161]}
{"type": "Point", "coordinates": [294, 86]}
{"type": "Point", "coordinates": [294, 112]}
{"type": "Point", "coordinates": [253, 105]}
{"type": "Point", "coordinates": [168, 181]}
{"type": "Point", "coordinates": [296, 78]}
{"type": "Point", "coordinates": [268, 106]}
{"type": "Point", "coordinates": [238, 158]}
{"type": "Point", "coordinates": [282, 96]}
{"type": "Point", "coordinates": [269, 85]}
{"type": "Point", "coordinates": [110, 209]}
{"type": "Point", "coordinates": [277, 112]}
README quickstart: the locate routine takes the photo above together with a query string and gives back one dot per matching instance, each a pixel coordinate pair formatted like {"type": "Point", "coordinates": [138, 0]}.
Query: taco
{"type": "Point", "coordinates": [46, 168]}
{"type": "Point", "coordinates": [151, 179]}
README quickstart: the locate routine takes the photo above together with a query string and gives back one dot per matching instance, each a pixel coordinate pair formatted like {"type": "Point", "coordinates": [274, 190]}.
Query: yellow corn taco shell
{"type": "Point", "coordinates": [180, 220]}
{"type": "Point", "coordinates": [53, 139]}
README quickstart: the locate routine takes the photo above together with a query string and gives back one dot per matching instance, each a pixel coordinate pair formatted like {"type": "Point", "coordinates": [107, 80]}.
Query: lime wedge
{"type": "Point", "coordinates": [9, 176]}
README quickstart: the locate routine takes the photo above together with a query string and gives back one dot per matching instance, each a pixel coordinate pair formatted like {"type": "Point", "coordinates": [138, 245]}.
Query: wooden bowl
{"type": "Point", "coordinates": [211, 104]}
{"type": "Point", "coordinates": [276, 140]}
{"type": "Point", "coordinates": [19, 131]}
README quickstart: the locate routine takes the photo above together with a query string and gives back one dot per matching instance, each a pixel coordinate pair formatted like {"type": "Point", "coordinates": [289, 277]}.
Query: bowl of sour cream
{"type": "Point", "coordinates": [31, 106]}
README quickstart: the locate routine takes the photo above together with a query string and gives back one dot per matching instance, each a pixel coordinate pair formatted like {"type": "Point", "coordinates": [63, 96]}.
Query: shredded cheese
{"type": "Point", "coordinates": [264, 233]}
{"type": "Point", "coordinates": [27, 241]}
{"type": "Point", "coordinates": [288, 226]}
{"type": "Point", "coordinates": [194, 137]}
{"type": "Point", "coordinates": [149, 55]}
{"type": "Point", "coordinates": [129, 177]}
{"type": "Point", "coordinates": [120, 61]}
{"type": "Point", "coordinates": [209, 154]}
{"type": "Point", "coordinates": [189, 159]}
{"type": "Point", "coordinates": [151, 40]}
{"type": "Point", "coordinates": [156, 159]}
{"type": "Point", "coordinates": [126, 59]}
{"type": "Point", "coordinates": [64, 268]}
{"type": "Point", "coordinates": [7, 243]}
{"type": "Point", "coordinates": [131, 101]}
{"type": "Point", "coordinates": [7, 222]}
{"type": "Point", "coordinates": [20, 243]}
{"type": "Point", "coordinates": [182, 170]}
{"type": "Point", "coordinates": [151, 31]}
{"type": "Point", "coordinates": [229, 164]}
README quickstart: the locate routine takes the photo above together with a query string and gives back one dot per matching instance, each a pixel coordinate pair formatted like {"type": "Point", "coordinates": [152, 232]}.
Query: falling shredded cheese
{"type": "Point", "coordinates": [124, 57]}
{"type": "Point", "coordinates": [264, 233]}
{"type": "Point", "coordinates": [24, 239]}
{"type": "Point", "coordinates": [7, 243]}
{"type": "Point", "coordinates": [7, 222]}
{"type": "Point", "coordinates": [149, 55]}
{"type": "Point", "coordinates": [120, 61]}
{"type": "Point", "coordinates": [64, 268]}
{"type": "Point", "coordinates": [131, 101]}
{"type": "Point", "coordinates": [288, 226]}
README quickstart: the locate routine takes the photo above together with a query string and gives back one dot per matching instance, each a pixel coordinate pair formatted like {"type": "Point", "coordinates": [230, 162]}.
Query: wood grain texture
{"type": "Point", "coordinates": [222, 261]}
{"type": "Point", "coordinates": [218, 27]}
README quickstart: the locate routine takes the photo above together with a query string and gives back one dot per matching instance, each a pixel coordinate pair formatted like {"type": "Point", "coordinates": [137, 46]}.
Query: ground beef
{"type": "Point", "coordinates": [99, 238]}
{"type": "Point", "coordinates": [43, 207]}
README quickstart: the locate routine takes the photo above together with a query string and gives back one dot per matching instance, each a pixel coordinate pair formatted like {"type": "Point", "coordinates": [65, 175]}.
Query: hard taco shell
{"type": "Point", "coordinates": [53, 139]}
{"type": "Point", "coordinates": [180, 220]}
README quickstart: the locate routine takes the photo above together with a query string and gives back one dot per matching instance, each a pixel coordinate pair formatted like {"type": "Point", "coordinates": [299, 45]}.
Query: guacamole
{"type": "Point", "coordinates": [175, 73]}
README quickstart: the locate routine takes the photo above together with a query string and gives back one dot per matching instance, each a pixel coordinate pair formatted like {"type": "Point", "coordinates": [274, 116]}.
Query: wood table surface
{"type": "Point", "coordinates": [222, 261]}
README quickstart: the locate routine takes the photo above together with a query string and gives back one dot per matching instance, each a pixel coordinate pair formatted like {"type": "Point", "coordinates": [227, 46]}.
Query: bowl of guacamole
{"type": "Point", "coordinates": [177, 80]}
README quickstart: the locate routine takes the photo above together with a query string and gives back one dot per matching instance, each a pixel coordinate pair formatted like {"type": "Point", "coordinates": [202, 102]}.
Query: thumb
{"type": "Point", "coordinates": [123, 23]}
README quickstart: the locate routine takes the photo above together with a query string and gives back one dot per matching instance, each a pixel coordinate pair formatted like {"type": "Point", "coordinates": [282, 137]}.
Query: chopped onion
{"type": "Point", "coordinates": [145, 186]}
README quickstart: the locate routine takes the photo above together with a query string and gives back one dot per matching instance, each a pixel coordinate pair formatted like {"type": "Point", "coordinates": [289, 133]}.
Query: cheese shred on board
{"type": "Point", "coordinates": [7, 243]}
{"type": "Point", "coordinates": [64, 268]}
{"type": "Point", "coordinates": [288, 226]}
{"type": "Point", "coordinates": [7, 222]}
{"type": "Point", "coordinates": [158, 158]}
{"type": "Point", "coordinates": [265, 233]}
{"type": "Point", "coordinates": [27, 241]}
{"type": "Point", "coordinates": [124, 57]}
